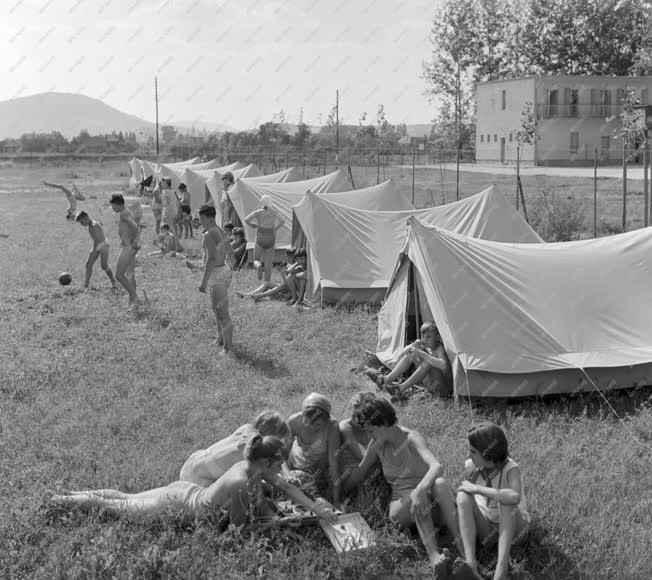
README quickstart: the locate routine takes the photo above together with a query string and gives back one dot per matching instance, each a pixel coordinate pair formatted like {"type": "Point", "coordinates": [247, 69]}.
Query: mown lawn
{"type": "Point", "coordinates": [93, 396]}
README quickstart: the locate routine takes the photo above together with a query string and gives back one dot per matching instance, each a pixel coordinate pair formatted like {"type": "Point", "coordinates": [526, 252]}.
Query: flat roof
{"type": "Point", "coordinates": [542, 77]}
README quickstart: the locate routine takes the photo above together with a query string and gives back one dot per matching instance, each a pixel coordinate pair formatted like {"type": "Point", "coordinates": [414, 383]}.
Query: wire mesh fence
{"type": "Point", "coordinates": [562, 203]}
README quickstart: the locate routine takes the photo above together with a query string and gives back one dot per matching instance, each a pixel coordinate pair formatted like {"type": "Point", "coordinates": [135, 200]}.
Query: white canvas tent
{"type": "Point", "coordinates": [197, 180]}
{"type": "Point", "coordinates": [140, 170]}
{"type": "Point", "coordinates": [291, 174]}
{"type": "Point", "coordinates": [214, 184]}
{"type": "Point", "coordinates": [527, 319]}
{"type": "Point", "coordinates": [246, 193]}
{"type": "Point", "coordinates": [352, 252]}
{"type": "Point", "coordinates": [174, 171]}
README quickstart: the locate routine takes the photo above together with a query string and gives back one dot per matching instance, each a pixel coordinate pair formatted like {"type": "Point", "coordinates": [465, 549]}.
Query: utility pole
{"type": "Point", "coordinates": [337, 126]}
{"type": "Point", "coordinates": [156, 100]}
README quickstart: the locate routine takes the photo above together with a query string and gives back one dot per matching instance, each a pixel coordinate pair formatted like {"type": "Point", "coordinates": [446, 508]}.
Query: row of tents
{"type": "Point", "coordinates": [519, 317]}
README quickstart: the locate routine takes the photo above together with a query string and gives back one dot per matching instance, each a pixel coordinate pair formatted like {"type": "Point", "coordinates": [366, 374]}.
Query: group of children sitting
{"type": "Point", "coordinates": [294, 277]}
{"type": "Point", "coordinates": [327, 466]}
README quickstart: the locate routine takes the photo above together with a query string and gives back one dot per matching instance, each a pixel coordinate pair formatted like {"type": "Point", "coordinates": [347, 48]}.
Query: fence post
{"type": "Point", "coordinates": [303, 160]}
{"type": "Point", "coordinates": [325, 153]}
{"type": "Point", "coordinates": [595, 192]}
{"type": "Point", "coordinates": [457, 177]}
{"type": "Point", "coordinates": [646, 163]}
{"type": "Point", "coordinates": [624, 185]}
{"type": "Point", "coordinates": [414, 154]}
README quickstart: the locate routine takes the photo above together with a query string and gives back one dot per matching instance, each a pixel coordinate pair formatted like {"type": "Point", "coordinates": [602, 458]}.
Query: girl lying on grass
{"type": "Point", "coordinates": [206, 466]}
{"type": "Point", "coordinates": [314, 440]}
{"type": "Point", "coordinates": [427, 357]}
{"type": "Point", "coordinates": [238, 494]}
{"type": "Point", "coordinates": [420, 495]}
{"type": "Point", "coordinates": [491, 501]}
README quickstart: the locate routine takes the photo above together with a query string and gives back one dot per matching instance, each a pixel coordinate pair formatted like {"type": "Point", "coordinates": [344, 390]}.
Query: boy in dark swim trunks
{"type": "Point", "coordinates": [186, 211]}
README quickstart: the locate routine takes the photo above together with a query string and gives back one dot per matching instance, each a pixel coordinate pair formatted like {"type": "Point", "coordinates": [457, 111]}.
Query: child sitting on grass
{"type": "Point", "coordinates": [239, 245]}
{"type": "Point", "coordinates": [168, 243]}
{"type": "Point", "coordinates": [431, 366]}
{"type": "Point", "coordinates": [491, 501]}
{"type": "Point", "coordinates": [287, 283]}
{"type": "Point", "coordinates": [314, 441]}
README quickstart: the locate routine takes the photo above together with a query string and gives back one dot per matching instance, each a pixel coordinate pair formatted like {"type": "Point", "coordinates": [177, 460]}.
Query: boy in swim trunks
{"type": "Point", "coordinates": [130, 244]}
{"type": "Point", "coordinates": [186, 211]}
{"type": "Point", "coordinates": [217, 274]}
{"type": "Point", "coordinates": [99, 249]}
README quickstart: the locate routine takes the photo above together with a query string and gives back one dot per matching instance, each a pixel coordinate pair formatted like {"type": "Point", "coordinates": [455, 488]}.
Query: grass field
{"type": "Point", "coordinates": [92, 396]}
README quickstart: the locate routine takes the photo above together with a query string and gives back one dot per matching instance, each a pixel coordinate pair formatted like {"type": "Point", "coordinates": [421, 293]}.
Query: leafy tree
{"type": "Point", "coordinates": [527, 133]}
{"type": "Point", "coordinates": [168, 134]}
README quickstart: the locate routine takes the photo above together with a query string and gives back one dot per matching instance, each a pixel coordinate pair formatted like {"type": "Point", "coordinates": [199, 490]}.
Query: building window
{"type": "Point", "coordinates": [573, 102]}
{"type": "Point", "coordinates": [605, 102]}
{"type": "Point", "coordinates": [481, 138]}
{"type": "Point", "coordinates": [604, 142]}
{"type": "Point", "coordinates": [488, 138]}
{"type": "Point", "coordinates": [510, 137]}
{"type": "Point", "coordinates": [551, 108]}
{"type": "Point", "coordinates": [643, 96]}
{"type": "Point", "coordinates": [574, 142]}
{"type": "Point", "coordinates": [495, 138]}
{"type": "Point", "coordinates": [504, 100]}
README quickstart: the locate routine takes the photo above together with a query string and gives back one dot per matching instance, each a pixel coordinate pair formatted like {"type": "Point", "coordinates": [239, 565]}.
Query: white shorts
{"type": "Point", "coordinates": [220, 277]}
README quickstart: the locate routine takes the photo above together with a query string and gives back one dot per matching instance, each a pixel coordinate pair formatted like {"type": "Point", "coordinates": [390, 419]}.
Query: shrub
{"type": "Point", "coordinates": [556, 217]}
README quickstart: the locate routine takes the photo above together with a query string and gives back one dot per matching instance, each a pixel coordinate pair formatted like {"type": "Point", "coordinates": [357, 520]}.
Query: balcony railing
{"type": "Point", "coordinates": [545, 111]}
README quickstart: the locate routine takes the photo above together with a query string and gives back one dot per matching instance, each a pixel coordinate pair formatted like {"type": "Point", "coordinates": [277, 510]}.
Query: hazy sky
{"type": "Point", "coordinates": [227, 61]}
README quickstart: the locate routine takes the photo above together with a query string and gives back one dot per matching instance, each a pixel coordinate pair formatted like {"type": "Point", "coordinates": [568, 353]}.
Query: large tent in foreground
{"type": "Point", "coordinates": [526, 319]}
{"type": "Point", "coordinates": [352, 252]}
{"type": "Point", "coordinates": [245, 196]}
{"type": "Point", "coordinates": [197, 180]}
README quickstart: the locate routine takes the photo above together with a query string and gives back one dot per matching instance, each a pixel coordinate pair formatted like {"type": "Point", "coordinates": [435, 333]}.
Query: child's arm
{"type": "Point", "coordinates": [421, 495]}
{"type": "Point", "coordinates": [357, 474]}
{"type": "Point", "coordinates": [301, 498]}
{"type": "Point", "coordinates": [433, 361]}
{"type": "Point", "coordinates": [252, 219]}
{"type": "Point", "coordinates": [509, 495]}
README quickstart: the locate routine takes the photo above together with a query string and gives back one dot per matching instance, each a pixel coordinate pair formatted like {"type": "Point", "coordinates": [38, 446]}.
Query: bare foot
{"type": "Point", "coordinates": [440, 565]}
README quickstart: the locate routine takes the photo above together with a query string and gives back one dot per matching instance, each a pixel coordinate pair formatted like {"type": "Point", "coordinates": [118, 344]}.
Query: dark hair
{"type": "Point", "coordinates": [239, 232]}
{"type": "Point", "coordinates": [165, 227]}
{"type": "Point", "coordinates": [80, 215]}
{"type": "Point", "coordinates": [207, 210]}
{"type": "Point", "coordinates": [182, 186]}
{"type": "Point", "coordinates": [377, 412]}
{"type": "Point", "coordinates": [259, 447]}
{"type": "Point", "coordinates": [228, 226]}
{"type": "Point", "coordinates": [300, 253]}
{"type": "Point", "coordinates": [269, 422]}
{"type": "Point", "coordinates": [291, 251]}
{"type": "Point", "coordinates": [228, 176]}
{"type": "Point", "coordinates": [117, 198]}
{"type": "Point", "coordinates": [168, 181]}
{"type": "Point", "coordinates": [490, 440]}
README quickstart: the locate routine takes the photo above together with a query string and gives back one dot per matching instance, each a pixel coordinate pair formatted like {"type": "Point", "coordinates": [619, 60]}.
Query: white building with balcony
{"type": "Point", "coordinates": [572, 118]}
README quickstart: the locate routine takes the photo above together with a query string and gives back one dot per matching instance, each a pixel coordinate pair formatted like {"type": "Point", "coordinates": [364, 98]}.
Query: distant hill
{"type": "Point", "coordinates": [67, 113]}
{"type": "Point", "coordinates": [71, 113]}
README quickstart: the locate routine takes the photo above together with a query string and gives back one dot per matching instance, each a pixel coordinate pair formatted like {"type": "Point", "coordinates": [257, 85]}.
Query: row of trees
{"type": "Point", "coordinates": [55, 142]}
{"type": "Point", "coordinates": [483, 40]}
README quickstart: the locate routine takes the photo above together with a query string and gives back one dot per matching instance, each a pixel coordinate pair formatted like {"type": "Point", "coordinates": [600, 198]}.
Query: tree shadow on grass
{"type": "Point", "coordinates": [269, 367]}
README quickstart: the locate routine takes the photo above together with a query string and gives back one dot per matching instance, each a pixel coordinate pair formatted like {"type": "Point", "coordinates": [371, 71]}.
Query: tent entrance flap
{"type": "Point", "coordinates": [417, 309]}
